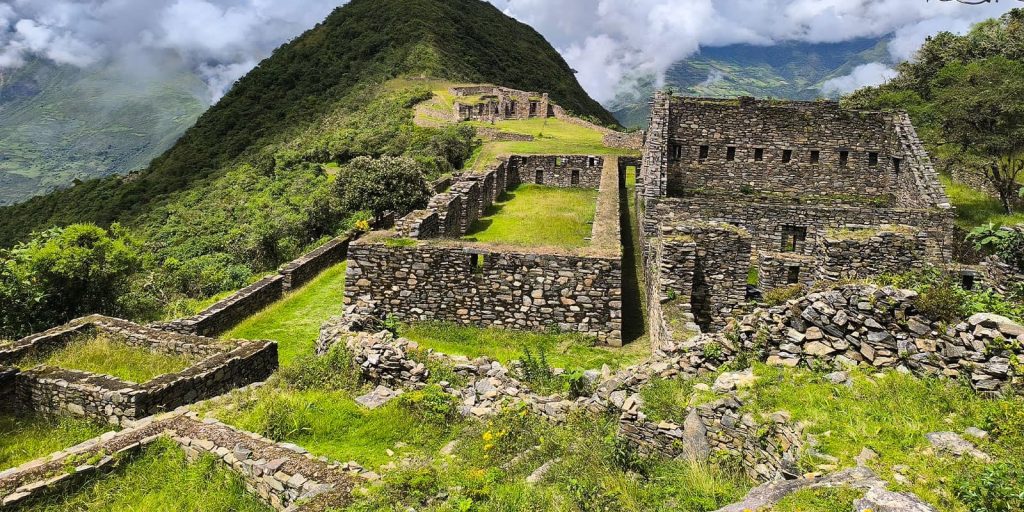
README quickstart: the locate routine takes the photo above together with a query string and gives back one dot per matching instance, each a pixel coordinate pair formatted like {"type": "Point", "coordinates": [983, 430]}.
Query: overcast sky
{"type": "Point", "coordinates": [605, 40]}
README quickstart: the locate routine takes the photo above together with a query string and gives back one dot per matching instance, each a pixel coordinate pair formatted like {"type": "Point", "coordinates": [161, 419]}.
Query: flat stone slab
{"type": "Point", "coordinates": [378, 397]}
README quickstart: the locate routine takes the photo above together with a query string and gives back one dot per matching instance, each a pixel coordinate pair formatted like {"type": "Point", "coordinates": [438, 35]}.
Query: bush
{"type": "Point", "coordinates": [999, 486]}
{"type": "Point", "coordinates": [430, 404]}
{"type": "Point", "coordinates": [335, 370]}
{"type": "Point", "coordinates": [779, 296]}
{"type": "Point", "coordinates": [381, 185]}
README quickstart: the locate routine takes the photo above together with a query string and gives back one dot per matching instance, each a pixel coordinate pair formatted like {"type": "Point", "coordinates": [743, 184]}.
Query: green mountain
{"type": "Point", "coordinates": [787, 71]}
{"type": "Point", "coordinates": [59, 124]}
{"type": "Point", "coordinates": [333, 66]}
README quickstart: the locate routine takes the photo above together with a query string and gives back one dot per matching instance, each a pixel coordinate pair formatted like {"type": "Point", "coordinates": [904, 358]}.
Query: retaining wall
{"type": "Point", "coordinates": [430, 281]}
{"type": "Point", "coordinates": [222, 366]}
{"type": "Point", "coordinates": [557, 171]}
{"type": "Point", "coordinates": [872, 252]}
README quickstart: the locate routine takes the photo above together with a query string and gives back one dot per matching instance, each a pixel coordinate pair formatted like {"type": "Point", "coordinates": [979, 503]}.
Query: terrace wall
{"type": "Point", "coordinates": [557, 171]}
{"type": "Point", "coordinates": [224, 366]}
{"type": "Point", "coordinates": [475, 286]}
{"type": "Point", "coordinates": [8, 388]}
{"type": "Point", "coordinates": [884, 252]}
{"type": "Point", "coordinates": [775, 269]}
{"type": "Point", "coordinates": [767, 221]}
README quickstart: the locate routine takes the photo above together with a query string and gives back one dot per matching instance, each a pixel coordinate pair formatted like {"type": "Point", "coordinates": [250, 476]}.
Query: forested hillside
{"type": "Point", "coordinates": [61, 123]}
{"type": "Point", "coordinates": [262, 175]}
{"type": "Point", "coordinates": [361, 44]}
{"type": "Point", "coordinates": [793, 70]}
{"type": "Point", "coordinates": [966, 96]}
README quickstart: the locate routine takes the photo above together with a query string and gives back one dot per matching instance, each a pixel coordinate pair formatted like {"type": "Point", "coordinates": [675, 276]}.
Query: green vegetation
{"type": "Point", "coordinates": [976, 207]}
{"type": "Point", "coordinates": [64, 123]}
{"type": "Point", "coordinates": [942, 298]}
{"type": "Point", "coordinates": [588, 469]}
{"type": "Point", "coordinates": [964, 93]}
{"type": "Point", "coordinates": [779, 296]}
{"type": "Point", "coordinates": [66, 273]}
{"type": "Point", "coordinates": [569, 351]}
{"type": "Point", "coordinates": [294, 322]}
{"type": "Point", "coordinates": [822, 499]}
{"type": "Point", "coordinates": [28, 437]}
{"type": "Point", "coordinates": [667, 399]}
{"type": "Point", "coordinates": [535, 215]}
{"type": "Point", "coordinates": [634, 300]}
{"type": "Point", "coordinates": [108, 355]}
{"type": "Point", "coordinates": [551, 137]}
{"type": "Point", "coordinates": [331, 423]}
{"type": "Point", "coordinates": [296, 94]}
{"type": "Point", "coordinates": [162, 479]}
{"type": "Point", "coordinates": [890, 414]}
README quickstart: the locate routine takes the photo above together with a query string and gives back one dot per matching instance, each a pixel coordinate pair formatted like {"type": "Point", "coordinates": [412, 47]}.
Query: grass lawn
{"type": "Point", "coordinates": [161, 480]}
{"type": "Point", "coordinates": [110, 356]}
{"type": "Point", "coordinates": [890, 413]}
{"type": "Point", "coordinates": [538, 216]}
{"type": "Point", "coordinates": [332, 424]}
{"type": "Point", "coordinates": [551, 137]}
{"type": "Point", "coordinates": [569, 351]}
{"type": "Point", "coordinates": [294, 322]}
{"type": "Point", "coordinates": [29, 437]}
{"type": "Point", "coordinates": [974, 207]}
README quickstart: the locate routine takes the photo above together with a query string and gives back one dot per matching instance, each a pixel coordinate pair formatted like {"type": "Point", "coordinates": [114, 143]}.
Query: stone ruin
{"type": "Point", "coordinates": [491, 103]}
{"type": "Point", "coordinates": [422, 270]}
{"type": "Point", "coordinates": [222, 366]}
{"type": "Point", "coordinates": [792, 192]}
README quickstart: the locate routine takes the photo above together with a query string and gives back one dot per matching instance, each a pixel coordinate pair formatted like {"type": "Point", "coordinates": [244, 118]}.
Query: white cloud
{"type": "Point", "coordinates": [865, 75]}
{"type": "Point", "coordinates": [607, 41]}
{"type": "Point", "coordinates": [220, 39]}
{"type": "Point", "coordinates": [604, 39]}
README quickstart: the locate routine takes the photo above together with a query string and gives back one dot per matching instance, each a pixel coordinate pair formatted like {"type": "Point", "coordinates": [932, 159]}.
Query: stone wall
{"type": "Point", "coordinates": [780, 269]}
{"type": "Point", "coordinates": [431, 281]}
{"type": "Point", "coordinates": [227, 313]}
{"type": "Point", "coordinates": [471, 196]}
{"type": "Point", "coordinates": [449, 214]}
{"type": "Point", "coordinates": [8, 383]}
{"type": "Point", "coordinates": [557, 171]}
{"type": "Point", "coordinates": [790, 148]}
{"type": "Point", "coordinates": [304, 269]}
{"type": "Point", "coordinates": [768, 451]}
{"type": "Point", "coordinates": [420, 224]}
{"type": "Point", "coordinates": [857, 254]}
{"type": "Point", "coordinates": [222, 366]}
{"type": "Point", "coordinates": [284, 476]}
{"type": "Point", "coordinates": [490, 103]}
{"type": "Point", "coordinates": [668, 276]}
{"type": "Point", "coordinates": [768, 222]}
{"type": "Point", "coordinates": [1002, 277]}
{"type": "Point", "coordinates": [877, 327]}
{"type": "Point", "coordinates": [624, 140]}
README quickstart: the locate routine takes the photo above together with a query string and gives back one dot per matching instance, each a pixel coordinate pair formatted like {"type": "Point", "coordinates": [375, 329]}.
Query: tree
{"type": "Point", "coordinates": [64, 273]}
{"type": "Point", "coordinates": [380, 185]}
{"type": "Point", "coordinates": [980, 106]}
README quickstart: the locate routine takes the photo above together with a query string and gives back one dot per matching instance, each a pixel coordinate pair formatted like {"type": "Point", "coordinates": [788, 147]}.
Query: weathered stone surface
{"type": "Point", "coordinates": [378, 397]}
{"type": "Point", "coordinates": [951, 443]}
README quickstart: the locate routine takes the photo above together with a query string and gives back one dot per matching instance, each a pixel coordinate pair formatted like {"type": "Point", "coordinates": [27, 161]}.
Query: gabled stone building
{"type": "Point", "coordinates": [796, 189]}
{"type": "Point", "coordinates": [492, 103]}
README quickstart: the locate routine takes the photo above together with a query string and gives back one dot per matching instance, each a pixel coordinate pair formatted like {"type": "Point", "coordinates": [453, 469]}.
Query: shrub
{"type": "Point", "coordinates": [536, 370]}
{"type": "Point", "coordinates": [940, 301]}
{"type": "Point", "coordinates": [779, 296]}
{"type": "Point", "coordinates": [999, 486]}
{"type": "Point", "coordinates": [335, 370]}
{"type": "Point", "coordinates": [382, 184]}
{"type": "Point", "coordinates": [430, 404]}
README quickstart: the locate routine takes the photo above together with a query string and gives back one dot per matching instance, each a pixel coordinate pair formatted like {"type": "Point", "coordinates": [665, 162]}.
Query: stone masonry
{"type": "Point", "coordinates": [221, 367]}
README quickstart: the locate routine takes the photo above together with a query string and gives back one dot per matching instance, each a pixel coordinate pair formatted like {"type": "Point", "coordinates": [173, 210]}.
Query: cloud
{"type": "Point", "coordinates": [874, 73]}
{"type": "Point", "coordinates": [220, 40]}
{"type": "Point", "coordinates": [608, 39]}
{"type": "Point", "coordinates": [612, 43]}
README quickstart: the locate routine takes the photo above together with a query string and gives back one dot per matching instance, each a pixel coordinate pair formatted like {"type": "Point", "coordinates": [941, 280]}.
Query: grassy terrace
{"type": "Point", "coordinates": [162, 479]}
{"type": "Point", "coordinates": [27, 437]}
{"type": "Point", "coordinates": [538, 216]}
{"type": "Point", "coordinates": [294, 322]}
{"type": "Point", "coordinates": [570, 351]}
{"type": "Point", "coordinates": [110, 356]}
{"type": "Point", "coordinates": [551, 137]}
{"type": "Point", "coordinates": [975, 207]}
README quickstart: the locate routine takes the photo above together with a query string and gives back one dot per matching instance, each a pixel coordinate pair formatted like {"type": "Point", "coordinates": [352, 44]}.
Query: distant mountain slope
{"type": "Point", "coordinates": [59, 124]}
{"type": "Point", "coordinates": [787, 71]}
{"type": "Point", "coordinates": [336, 65]}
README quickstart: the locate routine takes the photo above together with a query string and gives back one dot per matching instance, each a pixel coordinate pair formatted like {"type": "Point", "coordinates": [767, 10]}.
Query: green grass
{"type": "Point", "coordinates": [891, 413]}
{"type": "Point", "coordinates": [28, 437]}
{"type": "Point", "coordinates": [551, 137]}
{"type": "Point", "coordinates": [161, 480]}
{"type": "Point", "coordinates": [975, 207]}
{"type": "Point", "coordinates": [823, 499]}
{"type": "Point", "coordinates": [538, 216]}
{"type": "Point", "coordinates": [110, 356]}
{"type": "Point", "coordinates": [294, 322]}
{"type": "Point", "coordinates": [569, 351]}
{"type": "Point", "coordinates": [332, 424]}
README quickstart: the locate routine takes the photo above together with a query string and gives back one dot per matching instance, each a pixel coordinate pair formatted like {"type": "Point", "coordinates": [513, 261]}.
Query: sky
{"type": "Point", "coordinates": [608, 42]}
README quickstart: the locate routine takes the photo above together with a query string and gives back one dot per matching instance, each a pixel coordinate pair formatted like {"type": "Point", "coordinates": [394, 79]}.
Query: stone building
{"type": "Point", "coordinates": [814, 187]}
{"type": "Point", "coordinates": [490, 103]}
